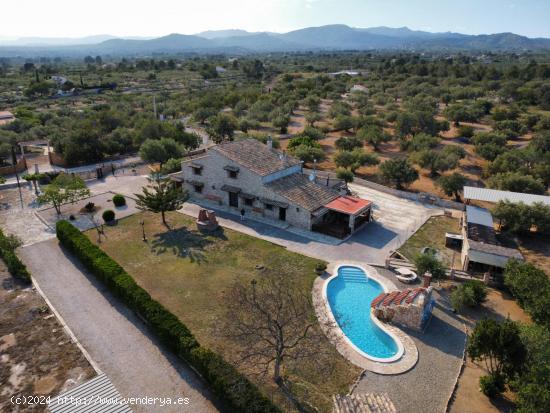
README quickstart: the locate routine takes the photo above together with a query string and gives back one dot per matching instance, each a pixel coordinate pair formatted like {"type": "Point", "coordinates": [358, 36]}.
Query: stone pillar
{"type": "Point", "coordinates": [452, 274]}
{"type": "Point", "coordinates": [427, 279]}
{"type": "Point", "coordinates": [486, 278]}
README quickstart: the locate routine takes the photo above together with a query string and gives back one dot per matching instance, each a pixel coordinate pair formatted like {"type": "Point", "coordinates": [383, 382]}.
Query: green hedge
{"type": "Point", "coordinates": [14, 264]}
{"type": "Point", "coordinates": [230, 386]}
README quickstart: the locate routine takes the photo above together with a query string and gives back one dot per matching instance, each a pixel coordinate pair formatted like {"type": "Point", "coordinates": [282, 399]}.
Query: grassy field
{"type": "Point", "coordinates": [432, 234]}
{"type": "Point", "coordinates": [188, 272]}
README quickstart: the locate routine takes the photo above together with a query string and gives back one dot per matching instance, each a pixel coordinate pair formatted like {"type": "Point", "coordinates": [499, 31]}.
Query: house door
{"type": "Point", "coordinates": [282, 214]}
{"type": "Point", "coordinates": [233, 199]}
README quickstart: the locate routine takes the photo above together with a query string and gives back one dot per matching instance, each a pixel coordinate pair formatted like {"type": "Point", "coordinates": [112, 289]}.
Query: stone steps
{"type": "Point", "coordinates": [363, 403]}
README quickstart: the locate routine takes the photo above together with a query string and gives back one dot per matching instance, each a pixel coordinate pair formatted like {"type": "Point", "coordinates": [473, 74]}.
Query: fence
{"type": "Point", "coordinates": [20, 166]}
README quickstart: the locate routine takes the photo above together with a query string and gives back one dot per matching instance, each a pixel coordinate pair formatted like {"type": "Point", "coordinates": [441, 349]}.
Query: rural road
{"type": "Point", "coordinates": [113, 336]}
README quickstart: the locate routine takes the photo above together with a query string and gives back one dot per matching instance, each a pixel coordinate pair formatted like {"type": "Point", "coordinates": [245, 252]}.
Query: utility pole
{"type": "Point", "coordinates": [14, 161]}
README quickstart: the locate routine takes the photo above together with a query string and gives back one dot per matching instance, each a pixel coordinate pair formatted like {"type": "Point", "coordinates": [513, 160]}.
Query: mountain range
{"type": "Point", "coordinates": [324, 38]}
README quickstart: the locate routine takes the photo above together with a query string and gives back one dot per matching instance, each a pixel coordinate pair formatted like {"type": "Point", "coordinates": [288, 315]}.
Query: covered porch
{"type": "Point", "coordinates": [342, 216]}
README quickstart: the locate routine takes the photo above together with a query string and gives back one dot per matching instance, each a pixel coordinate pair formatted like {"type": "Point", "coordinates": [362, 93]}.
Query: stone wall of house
{"type": "Point", "coordinates": [406, 315]}
{"type": "Point", "coordinates": [215, 177]}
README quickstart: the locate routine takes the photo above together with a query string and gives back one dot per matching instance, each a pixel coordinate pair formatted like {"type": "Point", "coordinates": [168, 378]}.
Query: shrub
{"type": "Point", "coordinates": [89, 206]}
{"type": "Point", "coordinates": [8, 244]}
{"type": "Point", "coordinates": [230, 386]}
{"type": "Point", "coordinates": [119, 200]}
{"type": "Point", "coordinates": [471, 293]}
{"type": "Point", "coordinates": [321, 267]}
{"type": "Point", "coordinates": [108, 215]}
{"type": "Point", "coordinates": [428, 262]}
{"type": "Point", "coordinates": [491, 385]}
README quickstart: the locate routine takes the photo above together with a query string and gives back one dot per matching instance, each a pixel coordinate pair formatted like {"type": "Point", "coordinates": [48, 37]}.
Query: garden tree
{"type": "Point", "coordinates": [345, 175]}
{"type": "Point", "coordinates": [34, 178]}
{"type": "Point", "coordinates": [499, 346]}
{"type": "Point", "coordinates": [399, 172]}
{"type": "Point", "coordinates": [312, 103]}
{"type": "Point", "coordinates": [373, 135]}
{"type": "Point", "coordinates": [63, 189]}
{"type": "Point", "coordinates": [313, 133]}
{"type": "Point", "coordinates": [160, 150]}
{"type": "Point", "coordinates": [202, 114]}
{"type": "Point", "coordinates": [531, 287]}
{"type": "Point", "coordinates": [465, 131]}
{"type": "Point", "coordinates": [522, 218]}
{"type": "Point", "coordinates": [533, 393]}
{"type": "Point", "coordinates": [343, 122]}
{"type": "Point", "coordinates": [470, 293]}
{"type": "Point", "coordinates": [271, 322]}
{"type": "Point", "coordinates": [172, 165]}
{"type": "Point", "coordinates": [281, 122]}
{"type": "Point", "coordinates": [353, 160]}
{"type": "Point", "coordinates": [348, 144]}
{"type": "Point", "coordinates": [313, 117]}
{"type": "Point", "coordinates": [222, 127]}
{"type": "Point", "coordinates": [307, 153]}
{"type": "Point", "coordinates": [428, 262]}
{"type": "Point", "coordinates": [420, 141]}
{"type": "Point", "coordinates": [516, 182]}
{"type": "Point", "coordinates": [339, 109]}
{"type": "Point", "coordinates": [36, 89]}
{"type": "Point", "coordinates": [160, 196]}
{"type": "Point", "coordinates": [452, 184]}
{"type": "Point", "coordinates": [439, 161]}
{"type": "Point", "coordinates": [253, 69]}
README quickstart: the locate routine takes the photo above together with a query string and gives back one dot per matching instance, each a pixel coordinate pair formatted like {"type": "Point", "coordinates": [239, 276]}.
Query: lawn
{"type": "Point", "coordinates": [188, 272]}
{"type": "Point", "coordinates": [432, 234]}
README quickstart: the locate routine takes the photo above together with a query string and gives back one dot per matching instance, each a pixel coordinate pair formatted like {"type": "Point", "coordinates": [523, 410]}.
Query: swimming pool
{"type": "Point", "coordinates": [349, 294]}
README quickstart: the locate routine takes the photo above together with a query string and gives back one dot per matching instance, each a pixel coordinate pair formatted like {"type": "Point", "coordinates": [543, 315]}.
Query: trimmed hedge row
{"type": "Point", "coordinates": [14, 264]}
{"type": "Point", "coordinates": [230, 386]}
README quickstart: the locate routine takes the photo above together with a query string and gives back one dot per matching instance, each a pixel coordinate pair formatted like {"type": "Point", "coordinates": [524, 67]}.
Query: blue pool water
{"type": "Point", "coordinates": [349, 296]}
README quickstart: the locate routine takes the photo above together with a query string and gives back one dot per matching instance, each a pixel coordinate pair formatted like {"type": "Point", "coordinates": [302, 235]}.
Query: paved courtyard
{"type": "Point", "coordinates": [395, 220]}
{"type": "Point", "coordinates": [84, 220]}
{"type": "Point", "coordinates": [428, 386]}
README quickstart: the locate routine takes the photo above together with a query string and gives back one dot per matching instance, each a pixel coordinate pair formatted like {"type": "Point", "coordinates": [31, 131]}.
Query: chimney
{"type": "Point", "coordinates": [427, 279]}
{"type": "Point", "coordinates": [269, 142]}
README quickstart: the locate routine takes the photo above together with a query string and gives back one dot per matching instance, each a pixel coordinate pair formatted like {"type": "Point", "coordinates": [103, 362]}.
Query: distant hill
{"type": "Point", "coordinates": [216, 34]}
{"type": "Point", "coordinates": [330, 37]}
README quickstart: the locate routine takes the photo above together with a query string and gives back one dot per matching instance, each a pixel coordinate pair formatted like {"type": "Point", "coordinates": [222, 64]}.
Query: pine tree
{"type": "Point", "coordinates": [161, 195]}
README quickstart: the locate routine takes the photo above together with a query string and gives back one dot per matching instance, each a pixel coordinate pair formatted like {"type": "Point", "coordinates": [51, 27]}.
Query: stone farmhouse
{"type": "Point", "coordinates": [266, 183]}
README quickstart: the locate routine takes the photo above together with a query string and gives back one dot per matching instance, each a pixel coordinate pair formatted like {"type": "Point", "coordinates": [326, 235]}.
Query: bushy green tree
{"type": "Point", "coordinates": [160, 150]}
{"type": "Point", "coordinates": [63, 189]}
{"type": "Point", "coordinates": [499, 345]}
{"type": "Point", "coordinates": [428, 262]}
{"type": "Point", "coordinates": [399, 172]}
{"type": "Point", "coordinates": [452, 184]}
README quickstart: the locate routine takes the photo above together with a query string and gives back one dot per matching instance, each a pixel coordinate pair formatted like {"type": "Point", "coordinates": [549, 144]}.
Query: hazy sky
{"type": "Point", "coordinates": [74, 18]}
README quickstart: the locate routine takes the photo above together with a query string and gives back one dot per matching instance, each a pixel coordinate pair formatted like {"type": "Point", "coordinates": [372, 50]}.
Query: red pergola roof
{"type": "Point", "coordinates": [348, 205]}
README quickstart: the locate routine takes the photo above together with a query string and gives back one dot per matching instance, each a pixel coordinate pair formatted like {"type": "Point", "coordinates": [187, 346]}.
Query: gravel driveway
{"type": "Point", "coordinates": [115, 338]}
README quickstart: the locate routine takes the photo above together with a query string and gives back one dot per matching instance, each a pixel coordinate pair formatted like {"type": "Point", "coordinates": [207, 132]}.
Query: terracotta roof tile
{"type": "Point", "coordinates": [255, 156]}
{"type": "Point", "coordinates": [299, 190]}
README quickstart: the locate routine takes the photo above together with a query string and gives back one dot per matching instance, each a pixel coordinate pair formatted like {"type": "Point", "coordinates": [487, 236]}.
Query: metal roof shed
{"type": "Point", "coordinates": [480, 216]}
{"type": "Point", "coordinates": [495, 195]}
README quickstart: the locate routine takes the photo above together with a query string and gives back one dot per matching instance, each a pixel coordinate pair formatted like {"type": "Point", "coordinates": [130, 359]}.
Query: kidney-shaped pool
{"type": "Point", "coordinates": [349, 295]}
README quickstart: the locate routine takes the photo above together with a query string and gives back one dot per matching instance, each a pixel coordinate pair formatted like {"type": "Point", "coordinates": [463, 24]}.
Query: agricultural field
{"type": "Point", "coordinates": [427, 123]}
